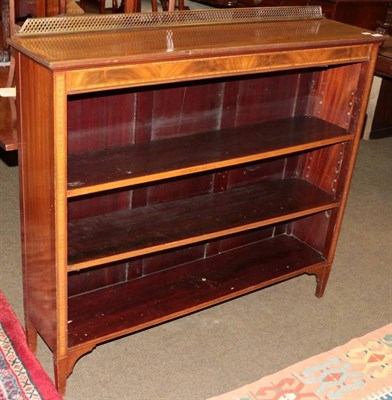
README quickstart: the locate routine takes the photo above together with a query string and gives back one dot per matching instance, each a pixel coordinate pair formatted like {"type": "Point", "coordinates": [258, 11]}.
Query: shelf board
{"type": "Point", "coordinates": [168, 225]}
{"type": "Point", "coordinates": [120, 309]}
{"type": "Point", "coordinates": [168, 158]}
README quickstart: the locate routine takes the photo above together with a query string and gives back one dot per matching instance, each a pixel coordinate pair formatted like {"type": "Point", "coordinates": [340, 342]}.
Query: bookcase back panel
{"type": "Point", "coordinates": [267, 97]}
{"type": "Point", "coordinates": [169, 259]}
{"type": "Point", "coordinates": [95, 278]}
{"type": "Point", "coordinates": [100, 121]}
{"type": "Point", "coordinates": [173, 189]}
{"type": "Point", "coordinates": [110, 274]}
{"type": "Point", "coordinates": [195, 185]}
{"type": "Point", "coordinates": [185, 110]}
{"type": "Point", "coordinates": [120, 117]}
{"type": "Point", "coordinates": [107, 202]}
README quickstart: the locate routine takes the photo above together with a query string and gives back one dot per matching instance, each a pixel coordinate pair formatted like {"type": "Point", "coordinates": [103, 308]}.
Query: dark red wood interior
{"type": "Point", "coordinates": [119, 120]}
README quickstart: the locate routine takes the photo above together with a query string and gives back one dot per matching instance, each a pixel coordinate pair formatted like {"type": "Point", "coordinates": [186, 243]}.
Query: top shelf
{"type": "Point", "coordinates": [168, 158]}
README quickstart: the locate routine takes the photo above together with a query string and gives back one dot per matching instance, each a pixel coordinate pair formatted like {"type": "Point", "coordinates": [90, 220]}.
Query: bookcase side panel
{"type": "Point", "coordinates": [360, 102]}
{"type": "Point", "coordinates": [45, 300]}
{"type": "Point", "coordinates": [333, 93]}
{"type": "Point", "coordinates": [333, 99]}
{"type": "Point", "coordinates": [342, 100]}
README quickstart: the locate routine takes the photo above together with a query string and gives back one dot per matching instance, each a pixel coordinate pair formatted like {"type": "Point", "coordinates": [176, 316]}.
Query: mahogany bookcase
{"type": "Point", "coordinates": [173, 161]}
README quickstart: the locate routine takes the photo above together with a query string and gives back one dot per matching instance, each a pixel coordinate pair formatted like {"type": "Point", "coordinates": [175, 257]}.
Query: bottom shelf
{"type": "Point", "coordinates": [115, 311]}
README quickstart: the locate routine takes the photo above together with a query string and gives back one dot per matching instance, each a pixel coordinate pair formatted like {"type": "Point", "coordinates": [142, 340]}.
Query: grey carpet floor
{"type": "Point", "coordinates": [238, 342]}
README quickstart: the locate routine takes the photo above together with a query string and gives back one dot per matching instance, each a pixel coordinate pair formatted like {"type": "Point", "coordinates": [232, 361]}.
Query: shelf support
{"type": "Point", "coordinates": [63, 367]}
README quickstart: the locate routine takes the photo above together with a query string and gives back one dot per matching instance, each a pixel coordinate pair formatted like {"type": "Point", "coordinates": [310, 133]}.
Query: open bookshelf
{"type": "Point", "coordinates": [165, 175]}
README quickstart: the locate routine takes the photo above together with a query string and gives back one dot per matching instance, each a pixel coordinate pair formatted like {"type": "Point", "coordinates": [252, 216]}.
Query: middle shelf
{"type": "Point", "coordinates": [177, 223]}
{"type": "Point", "coordinates": [144, 162]}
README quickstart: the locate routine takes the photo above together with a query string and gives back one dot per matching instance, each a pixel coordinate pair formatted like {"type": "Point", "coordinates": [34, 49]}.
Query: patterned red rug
{"type": "Point", "coordinates": [359, 370]}
{"type": "Point", "coordinates": [21, 376]}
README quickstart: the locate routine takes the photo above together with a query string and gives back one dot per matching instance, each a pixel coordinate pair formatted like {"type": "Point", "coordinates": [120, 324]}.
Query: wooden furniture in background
{"type": "Point", "coordinates": [165, 170]}
{"type": "Point", "coordinates": [382, 119]}
{"type": "Point", "coordinates": [364, 13]}
{"type": "Point", "coordinates": [12, 14]}
{"type": "Point", "coordinates": [367, 14]}
{"type": "Point", "coordinates": [100, 5]}
{"type": "Point", "coordinates": [8, 119]}
{"type": "Point", "coordinates": [8, 125]}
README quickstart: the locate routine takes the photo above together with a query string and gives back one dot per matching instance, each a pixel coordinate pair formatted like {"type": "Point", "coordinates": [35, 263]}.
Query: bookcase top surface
{"type": "Point", "coordinates": [173, 41]}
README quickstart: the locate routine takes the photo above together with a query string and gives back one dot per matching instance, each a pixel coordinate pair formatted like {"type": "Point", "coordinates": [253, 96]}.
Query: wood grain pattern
{"type": "Point", "coordinates": [36, 161]}
{"type": "Point", "coordinates": [107, 112]}
{"type": "Point", "coordinates": [191, 69]}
